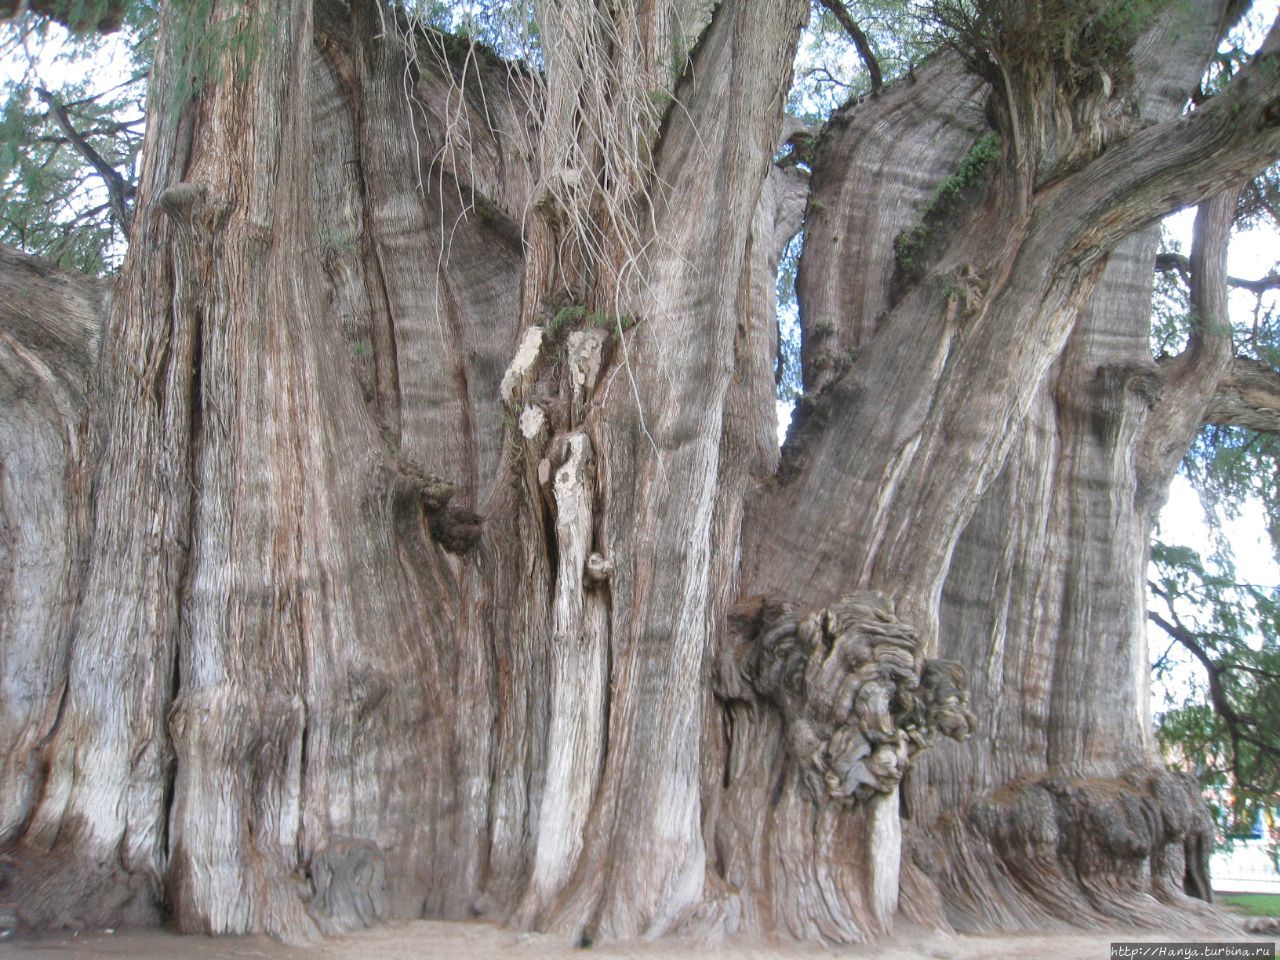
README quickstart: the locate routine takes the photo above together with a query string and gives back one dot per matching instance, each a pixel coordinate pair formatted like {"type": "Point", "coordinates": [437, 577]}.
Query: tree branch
{"type": "Point", "coordinates": [118, 191]}
{"type": "Point", "coordinates": [1190, 378]}
{"type": "Point", "coordinates": [1209, 346]}
{"type": "Point", "coordinates": [845, 19]}
{"type": "Point", "coordinates": [1174, 163]}
{"type": "Point", "coordinates": [1240, 727]}
{"type": "Point", "coordinates": [1178, 263]}
{"type": "Point", "coordinates": [1248, 396]}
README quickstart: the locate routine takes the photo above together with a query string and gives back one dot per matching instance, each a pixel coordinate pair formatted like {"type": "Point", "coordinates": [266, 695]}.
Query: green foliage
{"type": "Point", "coordinates": [82, 17]}
{"type": "Point", "coordinates": [207, 45]}
{"type": "Point", "coordinates": [52, 201]}
{"type": "Point", "coordinates": [1075, 39]}
{"type": "Point", "coordinates": [1223, 634]}
{"type": "Point", "coordinates": [1231, 465]}
{"type": "Point", "coordinates": [1260, 200]}
{"type": "Point", "coordinates": [496, 30]}
{"type": "Point", "coordinates": [571, 318]}
{"type": "Point", "coordinates": [1228, 466]}
{"type": "Point", "coordinates": [787, 369]}
{"type": "Point", "coordinates": [1170, 305]}
{"type": "Point", "coordinates": [914, 249]}
{"type": "Point", "coordinates": [577, 316]}
{"type": "Point", "coordinates": [1226, 724]}
{"type": "Point", "coordinates": [829, 71]}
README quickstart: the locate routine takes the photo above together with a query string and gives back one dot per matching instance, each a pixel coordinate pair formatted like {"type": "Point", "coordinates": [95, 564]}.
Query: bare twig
{"type": "Point", "coordinates": [118, 191]}
{"type": "Point", "coordinates": [845, 19]}
{"type": "Point", "coordinates": [1178, 263]}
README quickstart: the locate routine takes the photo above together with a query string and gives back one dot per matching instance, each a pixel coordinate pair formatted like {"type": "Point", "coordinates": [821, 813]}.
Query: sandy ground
{"type": "Point", "coordinates": [423, 940]}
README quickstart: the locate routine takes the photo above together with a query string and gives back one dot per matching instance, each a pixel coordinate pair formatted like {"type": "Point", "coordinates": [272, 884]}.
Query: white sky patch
{"type": "Point", "coordinates": [785, 408]}
{"type": "Point", "coordinates": [1182, 524]}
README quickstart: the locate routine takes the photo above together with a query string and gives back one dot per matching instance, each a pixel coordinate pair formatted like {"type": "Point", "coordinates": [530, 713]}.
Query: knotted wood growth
{"type": "Point", "coordinates": [857, 695]}
{"type": "Point", "coordinates": [1057, 851]}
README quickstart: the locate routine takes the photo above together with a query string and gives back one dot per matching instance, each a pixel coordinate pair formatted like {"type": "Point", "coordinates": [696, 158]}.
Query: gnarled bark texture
{"type": "Point", "coordinates": [407, 534]}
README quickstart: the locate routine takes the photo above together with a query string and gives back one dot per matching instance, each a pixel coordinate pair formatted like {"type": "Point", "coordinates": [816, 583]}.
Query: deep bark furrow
{"type": "Point", "coordinates": [876, 165]}
{"type": "Point", "coordinates": [680, 361]}
{"type": "Point", "coordinates": [93, 845]}
{"type": "Point", "coordinates": [1225, 141]}
{"type": "Point", "coordinates": [1007, 289]}
{"type": "Point", "coordinates": [1070, 635]}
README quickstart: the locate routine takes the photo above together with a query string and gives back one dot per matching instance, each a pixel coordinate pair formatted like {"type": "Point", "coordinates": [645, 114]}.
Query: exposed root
{"type": "Point", "coordinates": [1059, 853]}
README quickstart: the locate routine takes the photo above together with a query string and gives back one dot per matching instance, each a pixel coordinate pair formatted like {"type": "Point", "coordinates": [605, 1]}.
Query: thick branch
{"type": "Point", "coordinates": [846, 21]}
{"type": "Point", "coordinates": [1178, 263]}
{"type": "Point", "coordinates": [1191, 378]}
{"type": "Point", "coordinates": [117, 189]}
{"type": "Point", "coordinates": [1209, 346]}
{"type": "Point", "coordinates": [1177, 162]}
{"type": "Point", "coordinates": [1248, 396]}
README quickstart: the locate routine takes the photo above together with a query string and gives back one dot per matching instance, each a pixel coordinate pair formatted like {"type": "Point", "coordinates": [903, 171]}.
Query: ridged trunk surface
{"type": "Point", "coordinates": [406, 534]}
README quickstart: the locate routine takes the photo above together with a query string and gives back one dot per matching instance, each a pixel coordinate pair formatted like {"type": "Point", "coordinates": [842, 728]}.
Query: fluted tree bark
{"type": "Point", "coordinates": [405, 532]}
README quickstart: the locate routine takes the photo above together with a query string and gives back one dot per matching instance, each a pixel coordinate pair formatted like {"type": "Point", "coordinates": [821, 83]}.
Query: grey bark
{"type": "Point", "coordinates": [48, 341]}
{"type": "Point", "coordinates": [1248, 396]}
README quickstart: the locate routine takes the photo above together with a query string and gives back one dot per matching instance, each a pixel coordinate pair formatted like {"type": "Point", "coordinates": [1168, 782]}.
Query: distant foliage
{"type": "Point", "coordinates": [1226, 726]}
{"type": "Point", "coordinates": [53, 201]}
{"type": "Point", "coordinates": [1223, 716]}
{"type": "Point", "coordinates": [1076, 39]}
{"type": "Point", "coordinates": [787, 371]}
{"type": "Point", "coordinates": [829, 71]}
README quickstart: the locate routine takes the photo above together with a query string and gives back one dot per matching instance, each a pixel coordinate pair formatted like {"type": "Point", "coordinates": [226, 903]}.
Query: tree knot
{"type": "Point", "coordinates": [599, 570]}
{"type": "Point", "coordinates": [857, 697]}
{"type": "Point", "coordinates": [413, 490]}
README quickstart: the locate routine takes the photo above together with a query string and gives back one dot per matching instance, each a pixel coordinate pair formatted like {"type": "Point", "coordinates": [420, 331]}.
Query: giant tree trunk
{"type": "Point", "coordinates": [1059, 811]}
{"type": "Point", "coordinates": [425, 550]}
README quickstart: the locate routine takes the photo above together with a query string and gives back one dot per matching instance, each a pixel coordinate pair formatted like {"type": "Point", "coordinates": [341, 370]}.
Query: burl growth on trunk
{"type": "Point", "coordinates": [857, 696]}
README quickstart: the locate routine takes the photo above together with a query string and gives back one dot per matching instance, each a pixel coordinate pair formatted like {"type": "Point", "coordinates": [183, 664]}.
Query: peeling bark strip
{"type": "Point", "coordinates": [579, 680]}
{"type": "Point", "coordinates": [392, 561]}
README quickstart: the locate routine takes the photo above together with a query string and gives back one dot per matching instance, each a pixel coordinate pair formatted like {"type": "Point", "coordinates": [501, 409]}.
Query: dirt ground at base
{"type": "Point", "coordinates": [483, 941]}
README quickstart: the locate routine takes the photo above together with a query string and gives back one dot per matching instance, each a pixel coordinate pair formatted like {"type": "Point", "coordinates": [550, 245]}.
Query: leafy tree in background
{"type": "Point", "coordinates": [69, 146]}
{"type": "Point", "coordinates": [401, 530]}
{"type": "Point", "coordinates": [1228, 727]}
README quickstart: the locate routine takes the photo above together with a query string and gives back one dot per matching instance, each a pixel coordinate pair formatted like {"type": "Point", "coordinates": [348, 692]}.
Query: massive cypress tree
{"type": "Point", "coordinates": [403, 531]}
